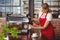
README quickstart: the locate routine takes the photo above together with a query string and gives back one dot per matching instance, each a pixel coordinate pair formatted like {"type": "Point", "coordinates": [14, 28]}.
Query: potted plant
{"type": "Point", "coordinates": [4, 34]}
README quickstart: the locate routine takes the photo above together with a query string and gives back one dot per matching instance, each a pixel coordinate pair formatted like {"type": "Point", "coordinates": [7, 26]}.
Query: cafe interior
{"type": "Point", "coordinates": [17, 12]}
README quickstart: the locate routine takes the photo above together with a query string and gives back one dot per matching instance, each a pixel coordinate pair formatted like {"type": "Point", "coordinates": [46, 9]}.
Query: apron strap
{"type": "Point", "coordinates": [45, 15]}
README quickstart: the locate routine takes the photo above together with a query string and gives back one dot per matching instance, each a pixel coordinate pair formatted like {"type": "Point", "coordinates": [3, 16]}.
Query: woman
{"type": "Point", "coordinates": [45, 25]}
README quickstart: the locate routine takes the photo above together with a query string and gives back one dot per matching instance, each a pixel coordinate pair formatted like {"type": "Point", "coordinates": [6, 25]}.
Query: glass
{"type": "Point", "coordinates": [16, 10]}
{"type": "Point", "coordinates": [8, 9]}
{"type": "Point", "coordinates": [2, 12]}
{"type": "Point", "coordinates": [7, 2]}
{"type": "Point", "coordinates": [16, 2]}
{"type": "Point", "coordinates": [2, 2]}
{"type": "Point", "coordinates": [14, 6]}
{"type": "Point", "coordinates": [2, 9]}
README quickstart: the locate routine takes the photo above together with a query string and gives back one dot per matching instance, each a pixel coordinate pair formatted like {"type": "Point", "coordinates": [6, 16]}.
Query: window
{"type": "Point", "coordinates": [15, 2]}
{"type": "Point", "coordinates": [37, 5]}
{"type": "Point", "coordinates": [2, 11]}
{"type": "Point", "coordinates": [2, 2]}
{"type": "Point", "coordinates": [14, 6]}
{"type": "Point", "coordinates": [7, 2]}
{"type": "Point", "coordinates": [16, 10]}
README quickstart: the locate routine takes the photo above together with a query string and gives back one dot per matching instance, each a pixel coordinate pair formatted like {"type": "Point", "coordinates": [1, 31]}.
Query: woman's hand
{"type": "Point", "coordinates": [36, 27]}
{"type": "Point", "coordinates": [31, 26]}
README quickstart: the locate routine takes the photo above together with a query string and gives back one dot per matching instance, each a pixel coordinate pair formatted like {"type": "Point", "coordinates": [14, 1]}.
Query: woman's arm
{"type": "Point", "coordinates": [49, 18]}
{"type": "Point", "coordinates": [36, 21]}
{"type": "Point", "coordinates": [46, 25]}
{"type": "Point", "coordinates": [41, 27]}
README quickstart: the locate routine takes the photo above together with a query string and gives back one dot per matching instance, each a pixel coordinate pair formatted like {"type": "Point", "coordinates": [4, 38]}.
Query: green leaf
{"type": "Point", "coordinates": [14, 32]}
{"type": "Point", "coordinates": [2, 36]}
{"type": "Point", "coordinates": [6, 30]}
{"type": "Point", "coordinates": [9, 23]}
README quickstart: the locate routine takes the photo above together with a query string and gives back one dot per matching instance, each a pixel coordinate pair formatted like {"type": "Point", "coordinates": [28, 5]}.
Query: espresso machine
{"type": "Point", "coordinates": [19, 22]}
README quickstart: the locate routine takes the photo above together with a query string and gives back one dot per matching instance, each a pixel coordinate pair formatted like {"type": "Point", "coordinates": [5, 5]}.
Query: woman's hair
{"type": "Point", "coordinates": [45, 6]}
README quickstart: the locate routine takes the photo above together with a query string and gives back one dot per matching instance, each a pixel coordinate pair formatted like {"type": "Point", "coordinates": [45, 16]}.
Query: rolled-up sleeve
{"type": "Point", "coordinates": [49, 17]}
{"type": "Point", "coordinates": [40, 13]}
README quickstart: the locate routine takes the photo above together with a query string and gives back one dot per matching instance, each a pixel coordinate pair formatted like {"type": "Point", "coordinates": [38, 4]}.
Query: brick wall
{"type": "Point", "coordinates": [56, 24]}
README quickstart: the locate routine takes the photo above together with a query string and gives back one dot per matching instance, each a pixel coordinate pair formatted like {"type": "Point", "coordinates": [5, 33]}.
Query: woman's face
{"type": "Point", "coordinates": [44, 10]}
